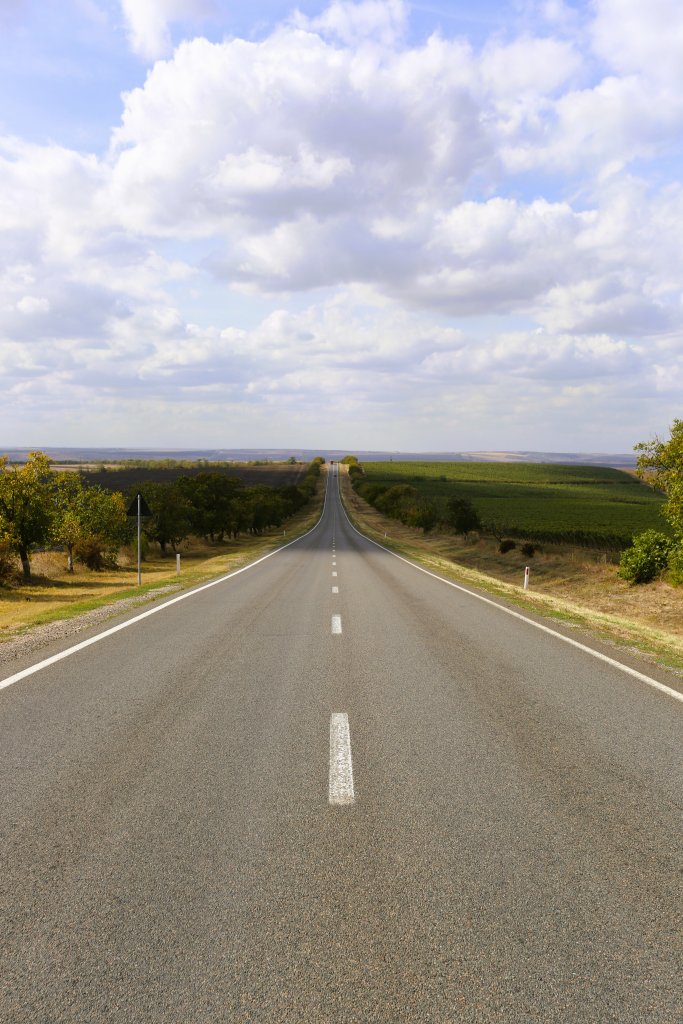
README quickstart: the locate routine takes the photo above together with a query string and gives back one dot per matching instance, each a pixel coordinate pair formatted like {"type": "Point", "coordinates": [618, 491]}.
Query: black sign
{"type": "Point", "coordinates": [144, 507]}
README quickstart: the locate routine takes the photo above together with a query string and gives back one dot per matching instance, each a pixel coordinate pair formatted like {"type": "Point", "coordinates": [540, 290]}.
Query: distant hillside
{"type": "Point", "coordinates": [98, 455]}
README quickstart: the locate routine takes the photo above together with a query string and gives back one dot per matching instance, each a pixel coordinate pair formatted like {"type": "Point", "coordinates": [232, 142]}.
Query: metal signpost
{"type": "Point", "coordinates": [139, 507]}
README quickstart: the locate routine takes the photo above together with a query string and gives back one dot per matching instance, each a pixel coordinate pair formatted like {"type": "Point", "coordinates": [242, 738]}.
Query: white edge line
{"type": "Point", "coordinates": [676, 694]}
{"type": "Point", "coordinates": [10, 680]}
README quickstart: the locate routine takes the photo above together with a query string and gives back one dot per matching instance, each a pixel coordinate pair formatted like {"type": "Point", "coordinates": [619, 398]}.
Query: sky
{"type": "Point", "coordinates": [421, 226]}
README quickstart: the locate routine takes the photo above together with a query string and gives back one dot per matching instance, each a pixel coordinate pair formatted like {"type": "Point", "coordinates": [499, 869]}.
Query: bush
{"type": "Point", "coordinates": [95, 553]}
{"type": "Point", "coordinates": [676, 565]}
{"type": "Point", "coordinates": [506, 545]}
{"type": "Point", "coordinates": [462, 516]}
{"type": "Point", "coordinates": [528, 549]}
{"type": "Point", "coordinates": [423, 516]}
{"type": "Point", "coordinates": [646, 558]}
{"type": "Point", "coordinates": [371, 492]}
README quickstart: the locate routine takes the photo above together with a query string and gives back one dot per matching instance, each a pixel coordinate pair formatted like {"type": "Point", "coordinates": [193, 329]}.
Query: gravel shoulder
{"type": "Point", "coordinates": [38, 637]}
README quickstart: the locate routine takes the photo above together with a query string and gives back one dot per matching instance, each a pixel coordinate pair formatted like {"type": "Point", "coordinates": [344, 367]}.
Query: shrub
{"type": "Point", "coordinates": [646, 558]}
{"type": "Point", "coordinates": [95, 553]}
{"type": "Point", "coordinates": [371, 492]}
{"type": "Point", "coordinates": [506, 545]}
{"type": "Point", "coordinates": [462, 516]}
{"type": "Point", "coordinates": [423, 516]}
{"type": "Point", "coordinates": [676, 565]}
{"type": "Point", "coordinates": [528, 549]}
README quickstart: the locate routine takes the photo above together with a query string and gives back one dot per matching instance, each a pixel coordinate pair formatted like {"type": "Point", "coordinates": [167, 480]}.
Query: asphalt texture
{"type": "Point", "coordinates": [168, 852]}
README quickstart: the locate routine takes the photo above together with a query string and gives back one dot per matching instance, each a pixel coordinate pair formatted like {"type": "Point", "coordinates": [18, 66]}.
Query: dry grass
{"type": "Point", "coordinates": [575, 584]}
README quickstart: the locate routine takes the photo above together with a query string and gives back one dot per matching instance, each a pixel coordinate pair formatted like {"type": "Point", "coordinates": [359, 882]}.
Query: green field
{"type": "Point", "coordinates": [537, 501]}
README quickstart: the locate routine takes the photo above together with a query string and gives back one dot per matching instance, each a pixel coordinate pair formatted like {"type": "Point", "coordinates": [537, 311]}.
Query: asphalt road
{"type": "Point", "coordinates": [492, 833]}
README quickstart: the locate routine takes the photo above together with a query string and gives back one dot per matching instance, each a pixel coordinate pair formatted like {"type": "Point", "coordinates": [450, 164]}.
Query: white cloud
{"type": "Point", "coordinates": [640, 38]}
{"type": "Point", "coordinates": [527, 65]}
{"type": "Point", "coordinates": [332, 155]}
{"type": "Point", "coordinates": [369, 367]}
{"type": "Point", "coordinates": [354, 22]}
{"type": "Point", "coordinates": [30, 304]}
{"type": "Point", "coordinates": [328, 128]}
{"type": "Point", "coordinates": [148, 22]}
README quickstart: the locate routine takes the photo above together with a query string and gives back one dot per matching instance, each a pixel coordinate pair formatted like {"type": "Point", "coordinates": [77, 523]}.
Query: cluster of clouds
{"type": "Point", "coordinates": [411, 189]}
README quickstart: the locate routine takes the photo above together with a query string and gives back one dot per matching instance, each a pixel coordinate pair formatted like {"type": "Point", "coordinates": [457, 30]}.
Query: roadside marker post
{"type": "Point", "coordinates": [177, 565]}
{"type": "Point", "coordinates": [526, 577]}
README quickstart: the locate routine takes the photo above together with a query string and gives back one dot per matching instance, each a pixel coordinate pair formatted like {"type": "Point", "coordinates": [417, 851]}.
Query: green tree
{"type": "Point", "coordinates": [104, 526]}
{"type": "Point", "coordinates": [27, 506]}
{"type": "Point", "coordinates": [661, 464]}
{"type": "Point", "coordinates": [461, 515]}
{"type": "Point", "coordinates": [171, 511]}
{"type": "Point", "coordinates": [423, 515]}
{"type": "Point", "coordinates": [68, 526]}
{"type": "Point", "coordinates": [105, 515]}
{"type": "Point", "coordinates": [211, 498]}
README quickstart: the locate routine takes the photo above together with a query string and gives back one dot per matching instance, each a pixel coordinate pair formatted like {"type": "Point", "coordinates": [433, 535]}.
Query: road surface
{"type": "Point", "coordinates": [333, 788]}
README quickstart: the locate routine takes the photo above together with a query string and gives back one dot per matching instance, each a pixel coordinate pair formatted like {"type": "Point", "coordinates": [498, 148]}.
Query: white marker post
{"type": "Point", "coordinates": [177, 565]}
{"type": "Point", "coordinates": [526, 577]}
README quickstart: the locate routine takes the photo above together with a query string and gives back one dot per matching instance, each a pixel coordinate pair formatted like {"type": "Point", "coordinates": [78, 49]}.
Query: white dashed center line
{"type": "Point", "coordinates": [336, 624]}
{"type": "Point", "coordinates": [341, 768]}
{"type": "Point", "coordinates": [334, 574]}
{"type": "Point", "coordinates": [335, 590]}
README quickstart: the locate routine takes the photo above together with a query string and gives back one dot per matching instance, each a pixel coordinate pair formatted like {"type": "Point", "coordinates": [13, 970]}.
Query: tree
{"type": "Point", "coordinates": [169, 522]}
{"type": "Point", "coordinates": [104, 526]}
{"type": "Point", "coordinates": [26, 506]}
{"type": "Point", "coordinates": [105, 516]}
{"type": "Point", "coordinates": [423, 515]}
{"type": "Point", "coordinates": [661, 464]}
{"type": "Point", "coordinates": [462, 516]}
{"type": "Point", "coordinates": [396, 499]}
{"type": "Point", "coordinates": [211, 498]}
{"type": "Point", "coordinates": [68, 524]}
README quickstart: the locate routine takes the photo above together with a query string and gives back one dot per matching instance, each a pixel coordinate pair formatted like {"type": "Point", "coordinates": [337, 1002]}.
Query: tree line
{"type": "Point", "coordinates": [42, 508]}
{"type": "Point", "coordinates": [405, 503]}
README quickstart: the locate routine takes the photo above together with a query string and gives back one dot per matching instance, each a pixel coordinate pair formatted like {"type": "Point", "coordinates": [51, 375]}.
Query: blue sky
{"type": "Point", "coordinates": [369, 224]}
